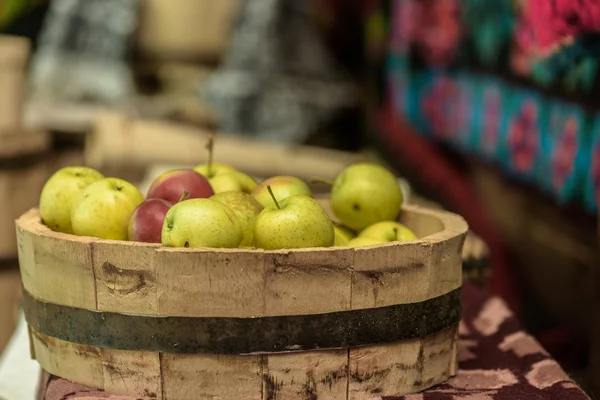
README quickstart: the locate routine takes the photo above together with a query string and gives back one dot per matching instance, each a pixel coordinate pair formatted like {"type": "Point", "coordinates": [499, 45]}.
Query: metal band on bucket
{"type": "Point", "coordinates": [221, 335]}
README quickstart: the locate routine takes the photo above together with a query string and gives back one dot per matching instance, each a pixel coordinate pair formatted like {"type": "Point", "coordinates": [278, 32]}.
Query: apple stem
{"type": "Point", "coordinates": [396, 233]}
{"type": "Point", "coordinates": [273, 196]}
{"type": "Point", "coordinates": [209, 146]}
{"type": "Point", "coordinates": [321, 180]}
{"type": "Point", "coordinates": [183, 196]}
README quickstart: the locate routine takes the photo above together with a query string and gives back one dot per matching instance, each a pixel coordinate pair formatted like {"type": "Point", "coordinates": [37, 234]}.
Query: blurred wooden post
{"type": "Point", "coordinates": [14, 54]}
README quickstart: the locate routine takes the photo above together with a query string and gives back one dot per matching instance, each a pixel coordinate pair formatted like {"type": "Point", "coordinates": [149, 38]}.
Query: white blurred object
{"type": "Point", "coordinates": [82, 52]}
{"type": "Point", "coordinates": [19, 374]}
{"type": "Point", "coordinates": [405, 188]}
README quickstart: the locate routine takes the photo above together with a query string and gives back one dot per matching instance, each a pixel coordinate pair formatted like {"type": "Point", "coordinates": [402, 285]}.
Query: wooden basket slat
{"type": "Point", "coordinates": [191, 282]}
{"type": "Point", "coordinates": [350, 374]}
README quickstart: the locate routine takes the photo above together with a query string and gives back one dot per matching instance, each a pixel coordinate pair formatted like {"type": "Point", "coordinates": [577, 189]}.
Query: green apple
{"type": "Point", "coordinates": [343, 235]}
{"type": "Point", "coordinates": [247, 182]}
{"type": "Point", "coordinates": [233, 181]}
{"type": "Point", "coordinates": [388, 231]}
{"type": "Point", "coordinates": [201, 223]}
{"type": "Point", "coordinates": [214, 169]}
{"type": "Point", "coordinates": [225, 183]}
{"type": "Point", "coordinates": [246, 208]}
{"type": "Point", "coordinates": [59, 194]}
{"type": "Point", "coordinates": [282, 187]}
{"type": "Point", "coordinates": [103, 209]}
{"type": "Point", "coordinates": [293, 223]}
{"type": "Point", "coordinates": [364, 241]}
{"type": "Point", "coordinates": [365, 193]}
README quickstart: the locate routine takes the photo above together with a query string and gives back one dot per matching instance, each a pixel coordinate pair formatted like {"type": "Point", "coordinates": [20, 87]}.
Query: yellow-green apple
{"type": "Point", "coordinates": [282, 187]}
{"type": "Point", "coordinates": [388, 231]}
{"type": "Point", "coordinates": [214, 172]}
{"type": "Point", "coordinates": [236, 181]}
{"type": "Point", "coordinates": [201, 223]}
{"type": "Point", "coordinates": [343, 235]}
{"type": "Point", "coordinates": [103, 209]}
{"type": "Point", "coordinates": [59, 193]}
{"type": "Point", "coordinates": [146, 222]}
{"type": "Point", "coordinates": [247, 182]}
{"type": "Point", "coordinates": [213, 169]}
{"type": "Point", "coordinates": [292, 223]}
{"type": "Point", "coordinates": [364, 241]}
{"type": "Point", "coordinates": [225, 183]}
{"type": "Point", "coordinates": [365, 193]}
{"type": "Point", "coordinates": [171, 185]}
{"type": "Point", "coordinates": [246, 208]}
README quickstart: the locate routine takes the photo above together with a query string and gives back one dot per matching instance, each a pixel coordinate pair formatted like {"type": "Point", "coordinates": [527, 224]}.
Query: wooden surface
{"type": "Point", "coordinates": [14, 52]}
{"type": "Point", "coordinates": [147, 279]}
{"type": "Point", "coordinates": [24, 169]}
{"type": "Point", "coordinates": [10, 289]}
{"type": "Point", "coordinates": [123, 141]}
{"type": "Point", "coordinates": [15, 144]}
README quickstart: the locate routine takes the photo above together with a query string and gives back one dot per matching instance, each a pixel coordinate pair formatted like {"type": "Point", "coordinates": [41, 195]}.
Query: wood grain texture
{"type": "Point", "coordinates": [144, 279]}
{"type": "Point", "coordinates": [350, 374]}
{"type": "Point", "coordinates": [131, 277]}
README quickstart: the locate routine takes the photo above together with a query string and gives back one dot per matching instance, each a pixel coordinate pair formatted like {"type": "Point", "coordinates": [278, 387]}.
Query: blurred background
{"type": "Point", "coordinates": [485, 108]}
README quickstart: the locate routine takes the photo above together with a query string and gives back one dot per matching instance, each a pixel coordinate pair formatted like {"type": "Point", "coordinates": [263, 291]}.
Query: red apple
{"type": "Point", "coordinates": [146, 222]}
{"type": "Point", "coordinates": [171, 185]}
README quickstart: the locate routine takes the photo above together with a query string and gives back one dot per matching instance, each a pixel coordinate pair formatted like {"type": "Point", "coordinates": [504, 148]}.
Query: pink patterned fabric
{"type": "Point", "coordinates": [497, 360]}
{"type": "Point", "coordinates": [554, 21]}
{"type": "Point", "coordinates": [432, 27]}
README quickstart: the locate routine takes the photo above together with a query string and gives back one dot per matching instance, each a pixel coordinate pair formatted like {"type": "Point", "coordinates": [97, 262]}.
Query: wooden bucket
{"type": "Point", "coordinates": [178, 324]}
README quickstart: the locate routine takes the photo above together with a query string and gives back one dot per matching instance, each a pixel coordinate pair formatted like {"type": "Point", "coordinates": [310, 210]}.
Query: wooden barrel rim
{"type": "Point", "coordinates": [215, 335]}
{"type": "Point", "coordinates": [148, 279]}
{"type": "Point", "coordinates": [454, 225]}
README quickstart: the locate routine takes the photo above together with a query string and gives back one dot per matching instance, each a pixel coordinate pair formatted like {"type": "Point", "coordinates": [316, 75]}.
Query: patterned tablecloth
{"type": "Point", "coordinates": [498, 361]}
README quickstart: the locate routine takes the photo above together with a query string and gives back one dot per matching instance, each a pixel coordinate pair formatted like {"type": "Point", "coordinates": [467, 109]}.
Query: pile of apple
{"type": "Point", "coordinates": [215, 205]}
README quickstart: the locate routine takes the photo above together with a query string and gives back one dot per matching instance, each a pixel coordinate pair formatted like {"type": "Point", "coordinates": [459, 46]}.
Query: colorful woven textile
{"type": "Point", "coordinates": [511, 82]}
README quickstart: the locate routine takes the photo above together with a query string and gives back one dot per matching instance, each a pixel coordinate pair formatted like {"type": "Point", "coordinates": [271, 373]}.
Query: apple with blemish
{"type": "Point", "coordinates": [246, 208]}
